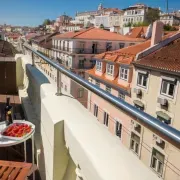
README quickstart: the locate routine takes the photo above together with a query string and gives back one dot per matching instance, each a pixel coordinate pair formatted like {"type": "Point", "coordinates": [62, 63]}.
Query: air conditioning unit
{"type": "Point", "coordinates": [162, 101]}
{"type": "Point", "coordinates": [137, 91]}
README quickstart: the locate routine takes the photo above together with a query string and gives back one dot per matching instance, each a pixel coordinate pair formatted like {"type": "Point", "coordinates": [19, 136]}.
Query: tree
{"type": "Point", "coordinates": [168, 27]}
{"type": "Point", "coordinates": [101, 26]}
{"type": "Point", "coordinates": [129, 24]}
{"type": "Point", "coordinates": [152, 15]}
{"type": "Point", "coordinates": [46, 22]}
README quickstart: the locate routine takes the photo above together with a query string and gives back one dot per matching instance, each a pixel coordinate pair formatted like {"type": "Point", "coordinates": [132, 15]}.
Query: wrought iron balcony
{"type": "Point", "coordinates": [81, 50]}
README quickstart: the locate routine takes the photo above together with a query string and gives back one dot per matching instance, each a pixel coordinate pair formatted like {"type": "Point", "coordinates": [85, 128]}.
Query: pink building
{"type": "Point", "coordinates": [113, 73]}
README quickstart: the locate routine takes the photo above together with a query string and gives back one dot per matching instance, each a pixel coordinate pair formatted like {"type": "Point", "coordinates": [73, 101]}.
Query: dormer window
{"type": "Point", "coordinates": [124, 73]}
{"type": "Point", "coordinates": [110, 69]}
{"type": "Point", "coordinates": [98, 66]}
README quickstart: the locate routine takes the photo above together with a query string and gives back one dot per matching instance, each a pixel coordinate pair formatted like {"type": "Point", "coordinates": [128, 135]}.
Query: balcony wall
{"type": "Point", "coordinates": [69, 136]}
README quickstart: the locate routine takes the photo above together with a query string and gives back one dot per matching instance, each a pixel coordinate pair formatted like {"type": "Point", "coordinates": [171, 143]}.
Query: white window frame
{"type": "Point", "coordinates": [134, 146]}
{"type": "Point", "coordinates": [143, 74]}
{"type": "Point", "coordinates": [110, 69]}
{"type": "Point", "coordinates": [168, 86]}
{"type": "Point", "coordinates": [98, 66]}
{"type": "Point", "coordinates": [123, 74]}
{"type": "Point", "coordinates": [108, 87]}
{"type": "Point", "coordinates": [153, 157]}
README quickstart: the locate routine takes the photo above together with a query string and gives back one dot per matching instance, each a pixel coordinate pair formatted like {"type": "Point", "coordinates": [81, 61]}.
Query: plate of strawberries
{"type": "Point", "coordinates": [18, 130]}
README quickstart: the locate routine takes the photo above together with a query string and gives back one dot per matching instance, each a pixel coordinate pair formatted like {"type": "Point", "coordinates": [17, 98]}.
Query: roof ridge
{"type": "Point", "coordinates": [83, 32]}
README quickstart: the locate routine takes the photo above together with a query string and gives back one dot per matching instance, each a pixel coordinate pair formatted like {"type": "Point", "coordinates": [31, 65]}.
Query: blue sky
{"type": "Point", "coordinates": [33, 12]}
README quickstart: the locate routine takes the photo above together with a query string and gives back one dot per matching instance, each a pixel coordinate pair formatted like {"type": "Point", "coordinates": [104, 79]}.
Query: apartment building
{"type": "Point", "coordinates": [136, 13]}
{"type": "Point", "coordinates": [110, 18]}
{"type": "Point", "coordinates": [114, 72]}
{"type": "Point", "coordinates": [156, 84]}
{"type": "Point", "coordinates": [76, 49]}
{"type": "Point", "coordinates": [70, 27]}
{"type": "Point", "coordinates": [170, 19]}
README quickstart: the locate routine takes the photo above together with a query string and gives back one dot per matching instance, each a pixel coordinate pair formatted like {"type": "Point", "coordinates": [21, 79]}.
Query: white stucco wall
{"type": "Point", "coordinates": [62, 120]}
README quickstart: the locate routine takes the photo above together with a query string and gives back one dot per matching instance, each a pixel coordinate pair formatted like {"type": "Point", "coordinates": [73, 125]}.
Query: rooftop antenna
{"type": "Point", "coordinates": [167, 6]}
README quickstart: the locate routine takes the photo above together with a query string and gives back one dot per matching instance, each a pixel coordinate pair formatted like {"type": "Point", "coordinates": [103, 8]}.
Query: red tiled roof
{"type": "Point", "coordinates": [111, 82]}
{"type": "Point", "coordinates": [137, 32]}
{"type": "Point", "coordinates": [97, 34]}
{"type": "Point", "coordinates": [166, 58]}
{"type": "Point", "coordinates": [125, 55]}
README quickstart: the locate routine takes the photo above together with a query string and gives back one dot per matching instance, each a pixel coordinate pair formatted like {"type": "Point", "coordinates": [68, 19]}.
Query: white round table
{"type": "Point", "coordinates": [5, 142]}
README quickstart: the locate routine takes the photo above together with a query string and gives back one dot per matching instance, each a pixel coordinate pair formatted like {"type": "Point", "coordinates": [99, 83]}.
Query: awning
{"type": "Point", "coordinates": [163, 115]}
{"type": "Point", "coordinates": [139, 103]}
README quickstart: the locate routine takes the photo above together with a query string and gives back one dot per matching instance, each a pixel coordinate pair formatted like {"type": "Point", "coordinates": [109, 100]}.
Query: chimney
{"type": "Point", "coordinates": [157, 32]}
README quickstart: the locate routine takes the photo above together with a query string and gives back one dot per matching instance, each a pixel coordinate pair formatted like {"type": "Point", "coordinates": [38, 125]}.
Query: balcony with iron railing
{"type": "Point", "coordinates": [80, 50]}
{"type": "Point", "coordinates": [84, 137]}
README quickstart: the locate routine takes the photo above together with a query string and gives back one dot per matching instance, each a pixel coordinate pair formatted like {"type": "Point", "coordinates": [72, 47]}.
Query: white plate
{"type": "Point", "coordinates": [19, 138]}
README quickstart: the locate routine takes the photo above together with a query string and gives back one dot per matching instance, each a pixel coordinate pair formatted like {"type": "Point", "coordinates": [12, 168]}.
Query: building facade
{"type": "Point", "coordinates": [114, 72]}
{"type": "Point", "coordinates": [135, 14]}
{"type": "Point", "coordinates": [170, 19]}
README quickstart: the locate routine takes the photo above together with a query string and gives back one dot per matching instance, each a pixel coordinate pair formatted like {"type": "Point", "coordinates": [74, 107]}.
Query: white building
{"type": "Point", "coordinates": [136, 13]}
{"type": "Point", "coordinates": [170, 19]}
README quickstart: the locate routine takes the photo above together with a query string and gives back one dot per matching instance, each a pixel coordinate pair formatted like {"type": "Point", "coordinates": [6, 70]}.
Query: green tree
{"type": "Point", "coordinates": [168, 27]}
{"type": "Point", "coordinates": [152, 15]}
{"type": "Point", "coordinates": [129, 24]}
{"type": "Point", "coordinates": [46, 22]}
{"type": "Point", "coordinates": [101, 26]}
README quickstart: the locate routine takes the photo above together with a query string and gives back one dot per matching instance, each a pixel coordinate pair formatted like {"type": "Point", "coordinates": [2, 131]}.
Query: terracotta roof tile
{"type": "Point", "coordinates": [166, 58]}
{"type": "Point", "coordinates": [97, 34]}
{"type": "Point", "coordinates": [137, 32]}
{"type": "Point", "coordinates": [91, 72]}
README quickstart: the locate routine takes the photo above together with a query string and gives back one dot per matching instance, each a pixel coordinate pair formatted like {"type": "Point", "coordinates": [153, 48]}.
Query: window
{"type": "Point", "coordinates": [131, 44]}
{"type": "Point", "coordinates": [97, 83]}
{"type": "Point", "coordinates": [80, 92]}
{"type": "Point", "coordinates": [124, 73]}
{"type": "Point", "coordinates": [106, 119]}
{"type": "Point", "coordinates": [157, 161]}
{"type": "Point", "coordinates": [167, 88]}
{"type": "Point", "coordinates": [95, 110]}
{"type": "Point", "coordinates": [81, 64]}
{"type": "Point", "coordinates": [108, 89]}
{"type": "Point", "coordinates": [135, 142]}
{"type": "Point", "coordinates": [121, 95]}
{"type": "Point", "coordinates": [110, 69]}
{"type": "Point", "coordinates": [98, 66]}
{"type": "Point", "coordinates": [139, 107]}
{"type": "Point", "coordinates": [118, 129]}
{"type": "Point", "coordinates": [108, 46]}
{"type": "Point", "coordinates": [142, 80]}
{"type": "Point", "coordinates": [164, 120]}
{"type": "Point", "coordinates": [121, 45]}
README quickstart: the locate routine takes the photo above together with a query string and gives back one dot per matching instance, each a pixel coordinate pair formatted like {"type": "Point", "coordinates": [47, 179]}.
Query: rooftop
{"type": "Point", "coordinates": [166, 58]}
{"type": "Point", "coordinates": [6, 49]}
{"type": "Point", "coordinates": [137, 32]}
{"type": "Point", "coordinates": [96, 34]}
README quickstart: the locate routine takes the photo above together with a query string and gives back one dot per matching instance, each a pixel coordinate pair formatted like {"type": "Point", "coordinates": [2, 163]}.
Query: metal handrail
{"type": "Point", "coordinates": [166, 131]}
